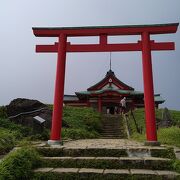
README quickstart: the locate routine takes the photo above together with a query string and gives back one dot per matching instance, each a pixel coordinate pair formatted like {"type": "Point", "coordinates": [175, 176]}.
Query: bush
{"type": "Point", "coordinates": [11, 126]}
{"type": "Point", "coordinates": [43, 136]}
{"type": "Point", "coordinates": [81, 116]}
{"type": "Point", "coordinates": [78, 134]}
{"type": "Point", "coordinates": [175, 117]}
{"type": "Point", "coordinates": [3, 112]}
{"type": "Point", "coordinates": [176, 165]}
{"type": "Point", "coordinates": [19, 164]}
{"type": "Point", "coordinates": [83, 123]}
{"type": "Point", "coordinates": [7, 140]}
{"type": "Point", "coordinates": [170, 136]}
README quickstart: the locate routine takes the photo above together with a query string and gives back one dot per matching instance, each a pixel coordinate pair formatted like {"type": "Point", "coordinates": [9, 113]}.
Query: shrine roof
{"type": "Point", "coordinates": [158, 98]}
{"type": "Point", "coordinates": [128, 92]}
{"type": "Point", "coordinates": [110, 74]}
{"type": "Point", "coordinates": [109, 30]}
{"type": "Point", "coordinates": [70, 98]}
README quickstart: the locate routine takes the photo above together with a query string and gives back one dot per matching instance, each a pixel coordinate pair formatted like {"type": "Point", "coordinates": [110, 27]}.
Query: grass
{"type": "Point", "coordinates": [7, 140]}
{"type": "Point", "coordinates": [11, 134]}
{"type": "Point", "coordinates": [82, 122]}
{"type": "Point", "coordinates": [169, 136]}
{"type": "Point", "coordinates": [19, 164]}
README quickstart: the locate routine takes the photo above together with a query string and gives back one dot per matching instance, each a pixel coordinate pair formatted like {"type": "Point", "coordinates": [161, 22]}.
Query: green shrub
{"type": "Point", "coordinates": [43, 136]}
{"type": "Point", "coordinates": [7, 124]}
{"type": "Point", "coordinates": [3, 112]}
{"type": "Point", "coordinates": [78, 133]}
{"type": "Point", "coordinates": [138, 137]}
{"type": "Point", "coordinates": [7, 140]}
{"type": "Point", "coordinates": [81, 116]}
{"type": "Point", "coordinates": [170, 136]}
{"type": "Point", "coordinates": [176, 165]}
{"type": "Point", "coordinates": [82, 123]}
{"type": "Point", "coordinates": [175, 115]}
{"type": "Point", "coordinates": [19, 164]}
{"type": "Point", "coordinates": [139, 115]}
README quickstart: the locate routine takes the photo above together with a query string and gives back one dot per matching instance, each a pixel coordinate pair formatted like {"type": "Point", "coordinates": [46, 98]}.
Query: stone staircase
{"type": "Point", "coordinates": [102, 162]}
{"type": "Point", "coordinates": [113, 127]}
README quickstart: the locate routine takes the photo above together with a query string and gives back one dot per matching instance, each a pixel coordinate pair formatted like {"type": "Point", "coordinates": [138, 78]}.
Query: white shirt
{"type": "Point", "coordinates": [123, 102]}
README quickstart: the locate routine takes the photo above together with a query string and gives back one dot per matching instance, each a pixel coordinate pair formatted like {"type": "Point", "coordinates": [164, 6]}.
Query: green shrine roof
{"type": "Point", "coordinates": [157, 97]}
{"type": "Point", "coordinates": [129, 92]}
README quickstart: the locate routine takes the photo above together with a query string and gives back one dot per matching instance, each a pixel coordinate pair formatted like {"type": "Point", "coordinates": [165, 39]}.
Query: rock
{"type": "Point", "coordinates": [20, 105]}
{"type": "Point", "coordinates": [23, 111]}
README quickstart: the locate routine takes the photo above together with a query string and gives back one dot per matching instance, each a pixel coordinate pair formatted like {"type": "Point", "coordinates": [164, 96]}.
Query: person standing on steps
{"type": "Point", "coordinates": [123, 105]}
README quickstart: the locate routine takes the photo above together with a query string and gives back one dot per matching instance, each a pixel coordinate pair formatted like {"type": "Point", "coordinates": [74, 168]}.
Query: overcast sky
{"type": "Point", "coordinates": [24, 73]}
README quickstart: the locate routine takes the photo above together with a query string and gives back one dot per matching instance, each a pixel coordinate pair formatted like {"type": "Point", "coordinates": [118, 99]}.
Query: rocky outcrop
{"type": "Point", "coordinates": [20, 105]}
{"type": "Point", "coordinates": [23, 111]}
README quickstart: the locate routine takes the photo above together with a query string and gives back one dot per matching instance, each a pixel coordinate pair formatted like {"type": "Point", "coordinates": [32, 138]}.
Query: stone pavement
{"type": "Point", "coordinates": [101, 143]}
{"type": "Point", "coordinates": [105, 143]}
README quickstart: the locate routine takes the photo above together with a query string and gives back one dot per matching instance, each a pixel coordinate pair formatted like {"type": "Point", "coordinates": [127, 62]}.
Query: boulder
{"type": "Point", "coordinates": [21, 105]}
{"type": "Point", "coordinates": [23, 111]}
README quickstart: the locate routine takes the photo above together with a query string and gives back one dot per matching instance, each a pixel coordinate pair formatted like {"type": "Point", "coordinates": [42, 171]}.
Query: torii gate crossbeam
{"type": "Point", "coordinates": [145, 45]}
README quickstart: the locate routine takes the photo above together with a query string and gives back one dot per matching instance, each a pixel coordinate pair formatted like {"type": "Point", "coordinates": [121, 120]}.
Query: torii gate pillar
{"type": "Point", "coordinates": [59, 92]}
{"type": "Point", "coordinates": [148, 89]}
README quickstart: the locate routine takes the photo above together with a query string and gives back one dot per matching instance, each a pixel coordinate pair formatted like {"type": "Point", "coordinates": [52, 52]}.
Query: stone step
{"type": "Point", "coordinates": [88, 173]}
{"type": "Point", "coordinates": [107, 162]}
{"type": "Point", "coordinates": [112, 130]}
{"type": "Point", "coordinates": [112, 120]}
{"type": "Point", "coordinates": [112, 123]}
{"type": "Point", "coordinates": [109, 129]}
{"type": "Point", "coordinates": [112, 137]}
{"type": "Point", "coordinates": [139, 151]}
{"type": "Point", "coordinates": [112, 133]}
{"type": "Point", "coordinates": [109, 136]}
{"type": "Point", "coordinates": [110, 126]}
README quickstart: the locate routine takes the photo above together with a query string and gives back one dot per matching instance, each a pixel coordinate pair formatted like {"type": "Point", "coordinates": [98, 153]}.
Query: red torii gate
{"type": "Point", "coordinates": [145, 45]}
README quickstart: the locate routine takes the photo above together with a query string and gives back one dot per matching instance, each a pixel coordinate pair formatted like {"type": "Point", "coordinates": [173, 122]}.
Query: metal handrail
{"type": "Point", "coordinates": [28, 112]}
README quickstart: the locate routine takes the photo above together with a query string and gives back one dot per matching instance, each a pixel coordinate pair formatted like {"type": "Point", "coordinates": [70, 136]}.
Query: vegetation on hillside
{"type": "Point", "coordinates": [10, 134]}
{"type": "Point", "coordinates": [81, 123]}
{"type": "Point", "coordinates": [78, 123]}
{"type": "Point", "coordinates": [19, 164]}
{"type": "Point", "coordinates": [169, 136]}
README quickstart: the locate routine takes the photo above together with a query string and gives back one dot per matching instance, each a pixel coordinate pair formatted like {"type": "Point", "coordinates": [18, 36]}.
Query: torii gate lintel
{"type": "Point", "coordinates": [145, 45]}
{"type": "Point", "coordinates": [102, 47]}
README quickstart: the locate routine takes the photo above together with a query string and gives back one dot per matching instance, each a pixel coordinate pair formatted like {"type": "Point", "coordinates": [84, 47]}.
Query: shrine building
{"type": "Point", "coordinates": [105, 96]}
